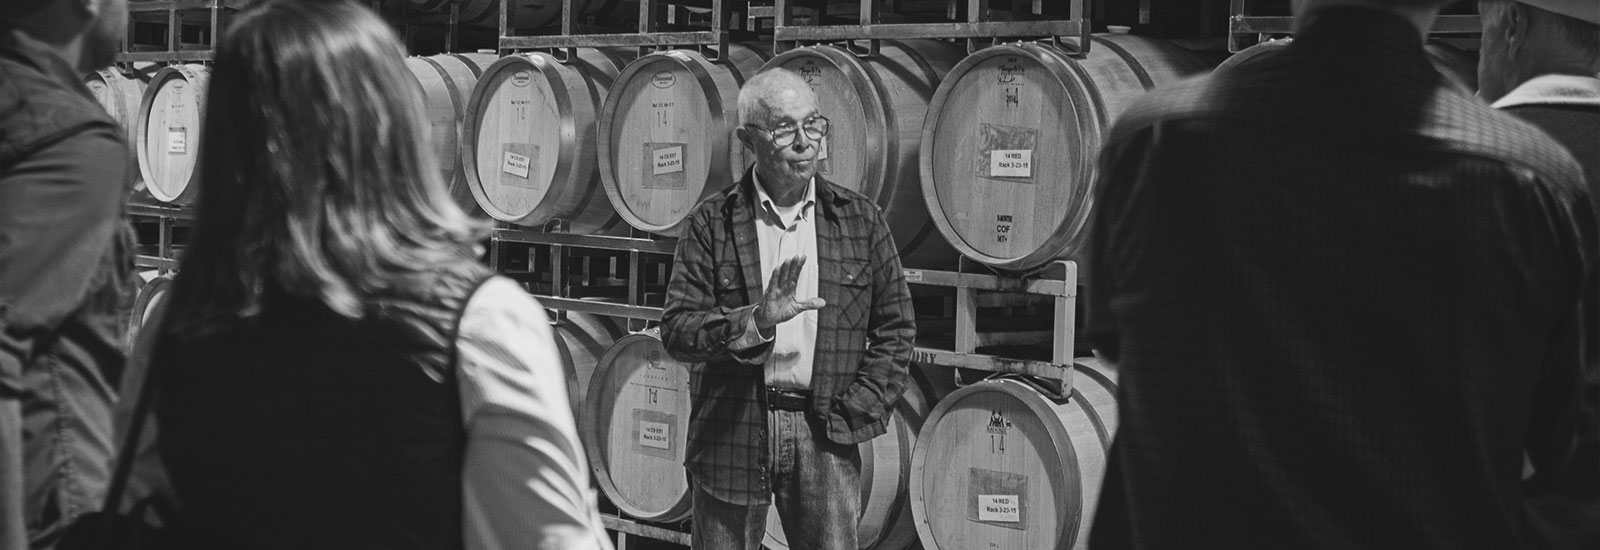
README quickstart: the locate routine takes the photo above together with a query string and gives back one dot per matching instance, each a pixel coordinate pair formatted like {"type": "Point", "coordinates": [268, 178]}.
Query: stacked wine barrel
{"type": "Point", "coordinates": [1001, 464]}
{"type": "Point", "coordinates": [1012, 137]}
{"type": "Point", "coordinates": [447, 83]}
{"type": "Point", "coordinates": [666, 132]}
{"type": "Point", "coordinates": [582, 340]}
{"type": "Point", "coordinates": [634, 425]}
{"type": "Point", "coordinates": [529, 142]}
{"type": "Point", "coordinates": [121, 94]}
{"type": "Point", "coordinates": [167, 140]}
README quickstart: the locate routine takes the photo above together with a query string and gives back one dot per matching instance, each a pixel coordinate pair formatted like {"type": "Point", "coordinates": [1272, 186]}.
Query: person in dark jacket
{"type": "Point", "coordinates": [1347, 298]}
{"type": "Point", "coordinates": [65, 265]}
{"type": "Point", "coordinates": [334, 369]}
{"type": "Point", "coordinates": [808, 364]}
{"type": "Point", "coordinates": [1539, 62]}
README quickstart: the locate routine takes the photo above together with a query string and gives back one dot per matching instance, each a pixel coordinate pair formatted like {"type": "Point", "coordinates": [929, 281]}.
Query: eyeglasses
{"type": "Point", "coordinates": [815, 127]}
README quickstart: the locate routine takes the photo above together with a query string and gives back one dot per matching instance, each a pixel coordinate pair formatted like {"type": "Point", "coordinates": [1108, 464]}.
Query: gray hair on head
{"type": "Point", "coordinates": [765, 85]}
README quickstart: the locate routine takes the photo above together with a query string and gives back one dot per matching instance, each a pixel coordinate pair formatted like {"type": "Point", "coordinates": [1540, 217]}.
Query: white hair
{"type": "Point", "coordinates": [763, 86]}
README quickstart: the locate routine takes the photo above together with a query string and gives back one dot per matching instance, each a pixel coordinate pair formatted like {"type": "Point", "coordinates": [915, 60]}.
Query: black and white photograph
{"type": "Point", "coordinates": [799, 274]}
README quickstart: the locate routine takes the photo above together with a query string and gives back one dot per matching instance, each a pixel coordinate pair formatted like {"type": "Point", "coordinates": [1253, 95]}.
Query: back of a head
{"type": "Point", "coordinates": [314, 177]}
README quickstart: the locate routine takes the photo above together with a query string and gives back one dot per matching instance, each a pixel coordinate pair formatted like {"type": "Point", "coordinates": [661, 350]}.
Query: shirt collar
{"type": "Point", "coordinates": [1554, 89]}
{"type": "Point", "coordinates": [807, 204]}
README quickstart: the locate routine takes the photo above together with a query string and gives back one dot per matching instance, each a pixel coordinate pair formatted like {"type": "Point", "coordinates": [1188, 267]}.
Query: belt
{"type": "Point", "coordinates": [781, 399]}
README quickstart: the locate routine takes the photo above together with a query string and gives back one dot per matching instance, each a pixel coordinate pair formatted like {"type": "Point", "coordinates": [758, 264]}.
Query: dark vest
{"type": "Point", "coordinates": [303, 429]}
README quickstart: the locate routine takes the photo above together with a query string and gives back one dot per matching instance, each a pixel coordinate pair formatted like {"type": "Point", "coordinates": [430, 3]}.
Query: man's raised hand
{"type": "Point", "coordinates": [779, 305]}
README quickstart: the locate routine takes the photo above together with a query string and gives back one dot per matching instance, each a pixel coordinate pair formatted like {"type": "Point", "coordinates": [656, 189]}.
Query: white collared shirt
{"type": "Point", "coordinates": [1554, 89]}
{"type": "Point", "coordinates": [783, 233]}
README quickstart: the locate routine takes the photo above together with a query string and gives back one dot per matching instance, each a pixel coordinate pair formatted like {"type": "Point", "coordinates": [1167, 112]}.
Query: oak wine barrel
{"type": "Point", "coordinates": [121, 93]}
{"type": "Point", "coordinates": [666, 134]}
{"type": "Point", "coordinates": [1001, 465]}
{"type": "Point", "coordinates": [447, 81]}
{"type": "Point", "coordinates": [1460, 66]}
{"type": "Point", "coordinates": [876, 105]}
{"type": "Point", "coordinates": [582, 339]}
{"type": "Point", "coordinates": [523, 13]}
{"type": "Point", "coordinates": [168, 139]}
{"type": "Point", "coordinates": [151, 294]}
{"type": "Point", "coordinates": [635, 427]}
{"type": "Point", "coordinates": [885, 522]}
{"type": "Point", "coordinates": [1012, 137]}
{"type": "Point", "coordinates": [529, 141]}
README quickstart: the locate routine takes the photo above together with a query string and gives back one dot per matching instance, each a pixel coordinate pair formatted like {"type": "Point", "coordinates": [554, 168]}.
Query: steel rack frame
{"type": "Point", "coordinates": [211, 14]}
{"type": "Point", "coordinates": [166, 217]}
{"type": "Point", "coordinates": [625, 527]}
{"type": "Point", "coordinates": [560, 243]}
{"type": "Point", "coordinates": [1071, 34]}
{"type": "Point", "coordinates": [650, 35]}
{"type": "Point", "coordinates": [1241, 24]}
{"type": "Point", "coordinates": [1057, 281]}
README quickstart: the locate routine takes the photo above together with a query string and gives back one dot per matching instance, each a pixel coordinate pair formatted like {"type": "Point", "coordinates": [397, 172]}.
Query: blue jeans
{"type": "Point", "coordinates": [816, 485]}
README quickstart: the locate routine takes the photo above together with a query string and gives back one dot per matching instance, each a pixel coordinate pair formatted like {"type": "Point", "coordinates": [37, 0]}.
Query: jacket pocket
{"type": "Point", "coordinates": [729, 285]}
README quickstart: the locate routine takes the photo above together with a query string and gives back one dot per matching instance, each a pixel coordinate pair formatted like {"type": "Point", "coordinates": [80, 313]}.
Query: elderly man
{"type": "Point", "coordinates": [1539, 62]}
{"type": "Point", "coordinates": [797, 372]}
{"type": "Point", "coordinates": [65, 262]}
{"type": "Point", "coordinates": [1346, 296]}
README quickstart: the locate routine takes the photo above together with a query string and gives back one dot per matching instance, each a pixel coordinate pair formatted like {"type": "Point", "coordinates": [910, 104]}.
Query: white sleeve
{"type": "Point", "coordinates": [751, 338]}
{"type": "Point", "coordinates": [525, 480]}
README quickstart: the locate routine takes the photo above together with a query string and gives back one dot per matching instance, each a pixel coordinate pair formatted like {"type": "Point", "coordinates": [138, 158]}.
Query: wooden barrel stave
{"type": "Point", "coordinates": [447, 81]}
{"type": "Point", "coordinates": [634, 426]}
{"type": "Point", "coordinates": [582, 340]}
{"type": "Point", "coordinates": [170, 118]}
{"type": "Point", "coordinates": [886, 522]}
{"type": "Point", "coordinates": [990, 195]}
{"type": "Point", "coordinates": [680, 109]}
{"type": "Point", "coordinates": [559, 103]}
{"type": "Point", "coordinates": [1000, 465]}
{"type": "Point", "coordinates": [120, 94]}
{"type": "Point", "coordinates": [877, 105]}
{"type": "Point", "coordinates": [152, 293]}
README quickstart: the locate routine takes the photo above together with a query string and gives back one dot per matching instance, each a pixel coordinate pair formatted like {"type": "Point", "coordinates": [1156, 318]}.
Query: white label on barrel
{"type": "Point", "coordinates": [999, 508]}
{"type": "Point", "coordinates": [668, 160]}
{"type": "Point", "coordinates": [522, 79]}
{"type": "Point", "coordinates": [515, 164]}
{"type": "Point", "coordinates": [655, 435]}
{"type": "Point", "coordinates": [913, 275]}
{"type": "Point", "coordinates": [177, 141]}
{"type": "Point", "coordinates": [1011, 163]}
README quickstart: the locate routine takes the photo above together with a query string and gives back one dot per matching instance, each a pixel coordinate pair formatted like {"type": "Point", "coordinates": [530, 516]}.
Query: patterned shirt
{"type": "Point", "coordinates": [864, 334]}
{"type": "Point", "coordinates": [1346, 296]}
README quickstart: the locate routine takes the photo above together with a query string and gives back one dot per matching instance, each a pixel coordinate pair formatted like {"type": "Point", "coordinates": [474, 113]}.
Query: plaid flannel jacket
{"type": "Point", "coordinates": [864, 334]}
